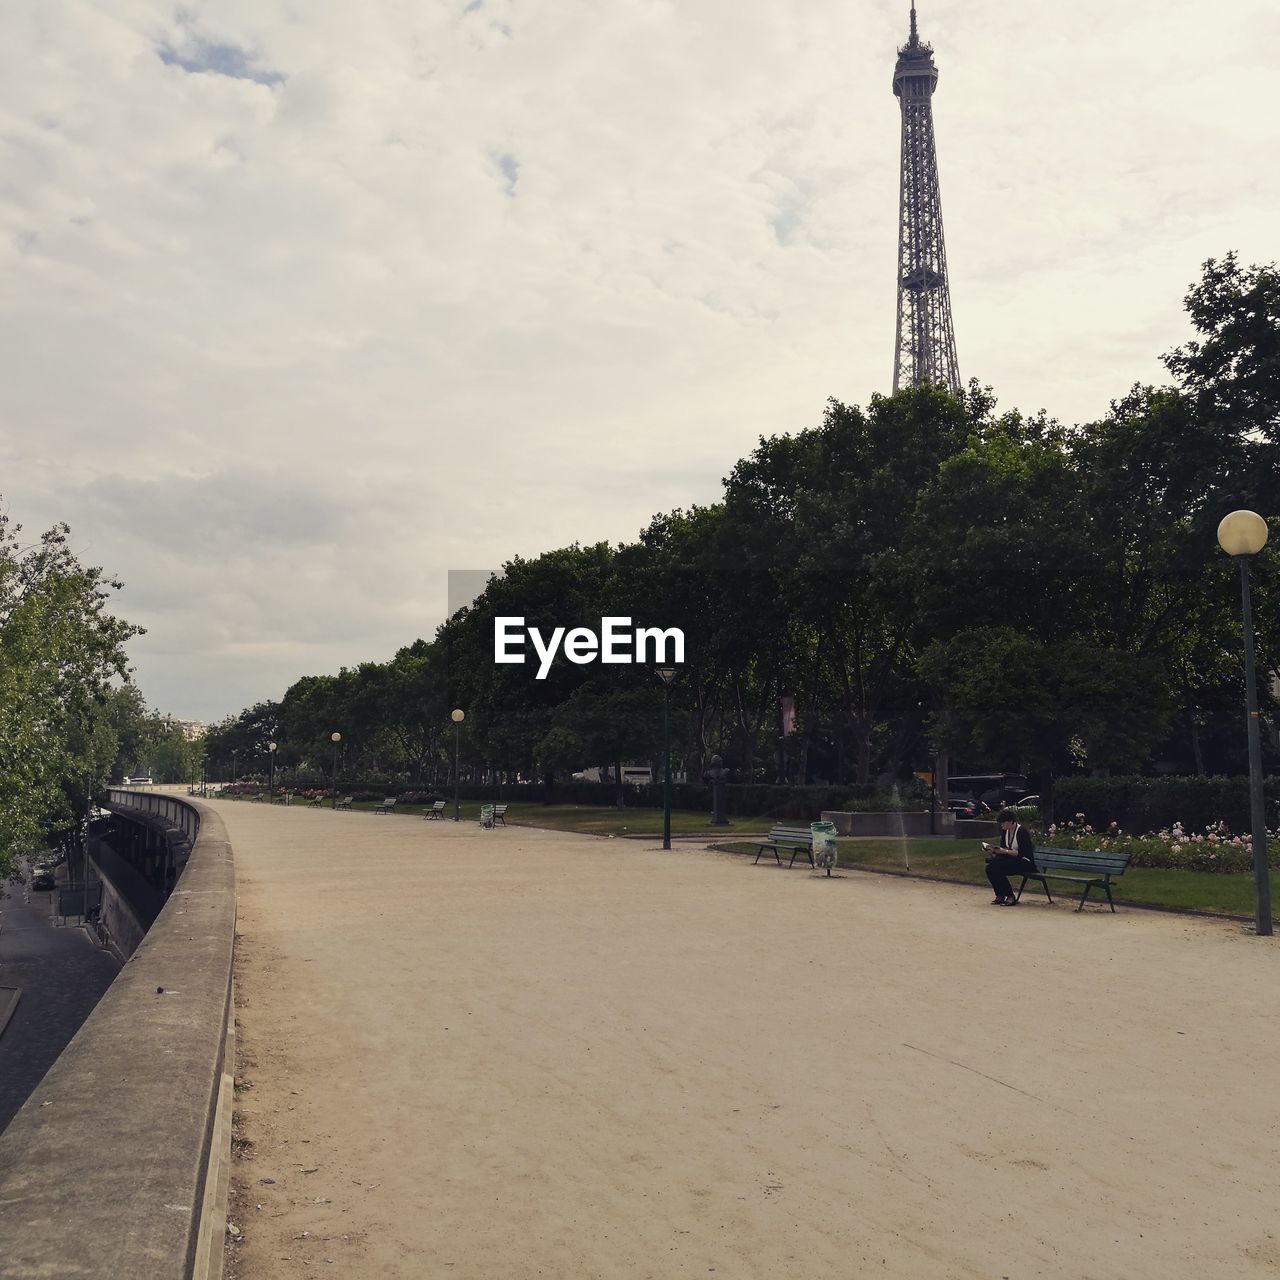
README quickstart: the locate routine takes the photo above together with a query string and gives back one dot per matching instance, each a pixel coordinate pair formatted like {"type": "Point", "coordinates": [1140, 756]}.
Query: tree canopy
{"type": "Point", "coordinates": [923, 573]}
{"type": "Point", "coordinates": [60, 651]}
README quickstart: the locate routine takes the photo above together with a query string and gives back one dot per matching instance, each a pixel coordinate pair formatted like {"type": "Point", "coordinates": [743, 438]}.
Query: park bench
{"type": "Point", "coordinates": [388, 805]}
{"type": "Point", "coordinates": [436, 810]}
{"type": "Point", "coordinates": [1088, 867]}
{"type": "Point", "coordinates": [259, 795]}
{"type": "Point", "coordinates": [344, 803]}
{"type": "Point", "coordinates": [499, 814]}
{"type": "Point", "coordinates": [315, 802]}
{"type": "Point", "coordinates": [287, 798]}
{"type": "Point", "coordinates": [796, 839]}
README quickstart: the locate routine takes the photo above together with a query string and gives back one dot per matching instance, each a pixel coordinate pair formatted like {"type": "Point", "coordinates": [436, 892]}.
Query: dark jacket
{"type": "Point", "coordinates": [1023, 844]}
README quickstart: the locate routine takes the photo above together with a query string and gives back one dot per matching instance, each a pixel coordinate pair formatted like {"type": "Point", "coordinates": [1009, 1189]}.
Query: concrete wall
{"type": "Point", "coordinates": [102, 1172]}
{"type": "Point", "coordinates": [887, 824]}
{"type": "Point", "coordinates": [120, 920]}
{"type": "Point", "coordinates": [972, 829]}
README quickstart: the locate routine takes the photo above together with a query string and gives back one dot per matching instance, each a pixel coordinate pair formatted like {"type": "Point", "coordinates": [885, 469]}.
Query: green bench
{"type": "Point", "coordinates": [436, 810]}
{"type": "Point", "coordinates": [388, 805]}
{"type": "Point", "coordinates": [781, 839]}
{"type": "Point", "coordinates": [499, 814]}
{"type": "Point", "coordinates": [344, 803]}
{"type": "Point", "coordinates": [1094, 870]}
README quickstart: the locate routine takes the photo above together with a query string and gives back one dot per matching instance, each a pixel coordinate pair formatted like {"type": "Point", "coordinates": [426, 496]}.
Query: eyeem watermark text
{"type": "Point", "coordinates": [616, 643]}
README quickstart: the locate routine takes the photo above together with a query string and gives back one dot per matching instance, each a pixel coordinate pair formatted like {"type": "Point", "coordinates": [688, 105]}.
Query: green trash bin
{"type": "Point", "coordinates": [824, 844]}
{"type": "Point", "coordinates": [486, 815]}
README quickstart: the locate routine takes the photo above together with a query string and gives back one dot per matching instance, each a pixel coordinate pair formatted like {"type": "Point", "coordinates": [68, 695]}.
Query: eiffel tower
{"type": "Point", "coordinates": [925, 348]}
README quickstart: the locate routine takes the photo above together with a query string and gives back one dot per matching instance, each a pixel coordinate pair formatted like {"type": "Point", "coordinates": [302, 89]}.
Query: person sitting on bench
{"type": "Point", "coordinates": [1013, 856]}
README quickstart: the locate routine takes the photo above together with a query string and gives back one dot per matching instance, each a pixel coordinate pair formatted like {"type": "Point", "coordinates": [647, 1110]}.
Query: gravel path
{"type": "Point", "coordinates": [517, 1053]}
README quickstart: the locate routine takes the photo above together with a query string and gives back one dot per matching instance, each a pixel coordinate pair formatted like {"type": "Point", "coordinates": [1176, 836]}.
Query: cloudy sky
{"type": "Point", "coordinates": [303, 304]}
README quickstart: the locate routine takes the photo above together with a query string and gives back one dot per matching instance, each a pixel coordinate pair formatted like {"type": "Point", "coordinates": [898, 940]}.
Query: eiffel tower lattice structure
{"type": "Point", "coordinates": [925, 347]}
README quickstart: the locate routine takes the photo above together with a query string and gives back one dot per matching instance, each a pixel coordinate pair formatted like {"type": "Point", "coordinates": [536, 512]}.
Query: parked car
{"type": "Point", "coordinates": [967, 807]}
{"type": "Point", "coordinates": [1028, 802]}
{"type": "Point", "coordinates": [42, 877]}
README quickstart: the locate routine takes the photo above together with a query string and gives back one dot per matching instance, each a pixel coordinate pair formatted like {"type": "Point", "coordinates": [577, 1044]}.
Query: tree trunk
{"type": "Point", "coordinates": [1194, 728]}
{"type": "Point", "coordinates": [942, 778]}
{"type": "Point", "coordinates": [619, 795]}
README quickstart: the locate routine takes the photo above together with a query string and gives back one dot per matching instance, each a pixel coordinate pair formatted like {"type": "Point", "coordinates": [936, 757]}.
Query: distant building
{"type": "Point", "coordinates": [191, 729]}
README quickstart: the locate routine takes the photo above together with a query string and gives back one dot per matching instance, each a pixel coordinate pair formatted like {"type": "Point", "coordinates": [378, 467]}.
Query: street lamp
{"type": "Point", "coordinates": [1243, 534]}
{"type": "Point", "coordinates": [457, 715]}
{"type": "Point", "coordinates": [272, 748]}
{"type": "Point", "coordinates": [335, 738]}
{"type": "Point", "coordinates": [233, 765]}
{"type": "Point", "coordinates": [666, 675]}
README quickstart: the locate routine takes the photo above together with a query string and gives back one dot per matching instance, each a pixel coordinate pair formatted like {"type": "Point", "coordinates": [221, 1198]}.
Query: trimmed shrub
{"type": "Point", "coordinates": [1150, 804]}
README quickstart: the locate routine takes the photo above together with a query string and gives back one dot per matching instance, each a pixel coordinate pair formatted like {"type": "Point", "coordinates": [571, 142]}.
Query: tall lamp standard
{"type": "Point", "coordinates": [272, 748]}
{"type": "Point", "coordinates": [457, 715]}
{"type": "Point", "coordinates": [335, 738]}
{"type": "Point", "coordinates": [666, 675]}
{"type": "Point", "coordinates": [234, 775]}
{"type": "Point", "coordinates": [1243, 534]}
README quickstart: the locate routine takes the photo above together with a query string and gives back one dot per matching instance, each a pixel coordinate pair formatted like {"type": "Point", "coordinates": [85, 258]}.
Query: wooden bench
{"type": "Point", "coordinates": [1088, 867]}
{"type": "Point", "coordinates": [388, 805]}
{"type": "Point", "coordinates": [797, 839]}
{"type": "Point", "coordinates": [344, 803]}
{"type": "Point", "coordinates": [436, 810]}
{"type": "Point", "coordinates": [287, 798]}
{"type": "Point", "coordinates": [499, 814]}
{"type": "Point", "coordinates": [315, 802]}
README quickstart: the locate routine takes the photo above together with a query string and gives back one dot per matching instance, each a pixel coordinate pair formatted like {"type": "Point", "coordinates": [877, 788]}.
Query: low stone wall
{"type": "Point", "coordinates": [886, 824]}
{"type": "Point", "coordinates": [102, 1172]}
{"type": "Point", "coordinates": [973, 829]}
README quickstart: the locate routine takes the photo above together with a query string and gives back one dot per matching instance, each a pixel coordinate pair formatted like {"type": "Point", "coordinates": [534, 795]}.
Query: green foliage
{"type": "Point", "coordinates": [923, 572]}
{"type": "Point", "coordinates": [1215, 850]}
{"type": "Point", "coordinates": [1140, 805]}
{"type": "Point", "coordinates": [1234, 368]}
{"type": "Point", "coordinates": [60, 648]}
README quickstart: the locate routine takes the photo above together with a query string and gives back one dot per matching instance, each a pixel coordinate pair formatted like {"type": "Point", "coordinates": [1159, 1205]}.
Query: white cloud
{"type": "Point", "coordinates": [301, 306]}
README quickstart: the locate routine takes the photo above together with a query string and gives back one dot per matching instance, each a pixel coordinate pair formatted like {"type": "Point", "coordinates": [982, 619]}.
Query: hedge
{"type": "Point", "coordinates": [1142, 805]}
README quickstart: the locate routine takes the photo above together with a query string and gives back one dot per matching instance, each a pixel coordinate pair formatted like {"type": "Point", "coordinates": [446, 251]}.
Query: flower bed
{"type": "Point", "coordinates": [1172, 848]}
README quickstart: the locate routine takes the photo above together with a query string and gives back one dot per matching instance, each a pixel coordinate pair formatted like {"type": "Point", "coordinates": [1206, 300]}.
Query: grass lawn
{"type": "Point", "coordinates": [963, 861]}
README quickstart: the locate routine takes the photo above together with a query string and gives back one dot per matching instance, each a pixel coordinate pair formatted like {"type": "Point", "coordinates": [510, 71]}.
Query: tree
{"type": "Point", "coordinates": [1233, 370]}
{"type": "Point", "coordinates": [1007, 697]}
{"type": "Point", "coordinates": [60, 648]}
{"type": "Point", "coordinates": [244, 737]}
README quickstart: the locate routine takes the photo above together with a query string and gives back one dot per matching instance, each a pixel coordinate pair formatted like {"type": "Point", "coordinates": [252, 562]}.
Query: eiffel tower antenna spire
{"type": "Point", "coordinates": [925, 346]}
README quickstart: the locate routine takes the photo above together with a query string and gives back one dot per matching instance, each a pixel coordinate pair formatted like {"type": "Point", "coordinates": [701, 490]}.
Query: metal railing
{"type": "Point", "coordinates": [178, 813]}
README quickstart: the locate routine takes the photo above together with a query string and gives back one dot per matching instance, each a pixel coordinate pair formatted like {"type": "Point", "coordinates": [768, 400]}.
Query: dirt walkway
{"type": "Point", "coordinates": [498, 1055]}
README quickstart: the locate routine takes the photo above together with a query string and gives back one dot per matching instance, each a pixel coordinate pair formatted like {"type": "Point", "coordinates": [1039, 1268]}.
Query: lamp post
{"type": "Point", "coordinates": [272, 748]}
{"type": "Point", "coordinates": [233, 765]}
{"type": "Point", "coordinates": [666, 675]}
{"type": "Point", "coordinates": [335, 738]}
{"type": "Point", "coordinates": [457, 715]}
{"type": "Point", "coordinates": [1243, 534]}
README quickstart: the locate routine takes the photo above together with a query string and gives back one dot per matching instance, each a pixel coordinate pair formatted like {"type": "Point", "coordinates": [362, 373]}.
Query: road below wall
{"type": "Point", "coordinates": [62, 975]}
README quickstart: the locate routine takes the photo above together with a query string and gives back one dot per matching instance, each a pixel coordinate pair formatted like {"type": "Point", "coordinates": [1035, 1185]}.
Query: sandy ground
{"type": "Point", "coordinates": [511, 1054]}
